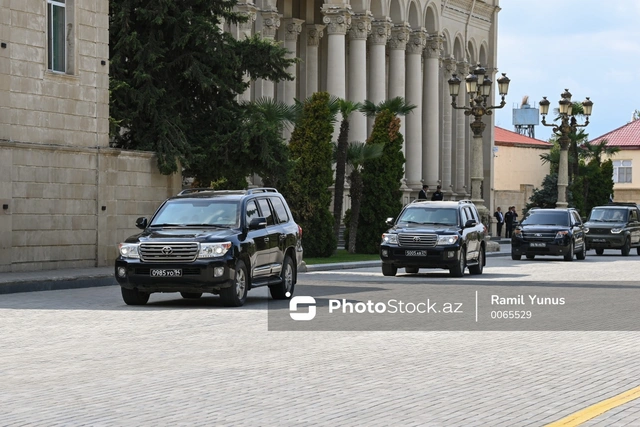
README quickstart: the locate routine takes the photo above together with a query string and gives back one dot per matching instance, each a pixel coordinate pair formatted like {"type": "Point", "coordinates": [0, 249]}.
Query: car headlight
{"type": "Point", "coordinates": [616, 230]}
{"type": "Point", "coordinates": [561, 234]}
{"type": "Point", "coordinates": [389, 239]}
{"type": "Point", "coordinates": [213, 250]}
{"type": "Point", "coordinates": [447, 239]}
{"type": "Point", "coordinates": [129, 250]}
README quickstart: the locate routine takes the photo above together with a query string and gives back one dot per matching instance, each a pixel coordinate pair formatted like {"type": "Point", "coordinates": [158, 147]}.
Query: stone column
{"type": "Point", "coordinates": [245, 31]}
{"type": "Point", "coordinates": [461, 132]}
{"type": "Point", "coordinates": [314, 34]}
{"type": "Point", "coordinates": [380, 34]}
{"type": "Point", "coordinates": [413, 138]}
{"type": "Point", "coordinates": [397, 68]}
{"type": "Point", "coordinates": [338, 21]}
{"type": "Point", "coordinates": [292, 29]}
{"type": "Point", "coordinates": [360, 29]}
{"type": "Point", "coordinates": [449, 67]}
{"type": "Point", "coordinates": [431, 115]}
{"type": "Point", "coordinates": [270, 24]}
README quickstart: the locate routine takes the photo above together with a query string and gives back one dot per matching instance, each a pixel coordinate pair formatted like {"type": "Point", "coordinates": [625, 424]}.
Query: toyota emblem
{"type": "Point", "coordinates": [416, 239]}
{"type": "Point", "coordinates": [167, 250]}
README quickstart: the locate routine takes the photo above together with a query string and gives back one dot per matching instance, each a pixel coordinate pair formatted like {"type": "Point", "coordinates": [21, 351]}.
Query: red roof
{"type": "Point", "coordinates": [508, 138]}
{"type": "Point", "coordinates": [627, 136]}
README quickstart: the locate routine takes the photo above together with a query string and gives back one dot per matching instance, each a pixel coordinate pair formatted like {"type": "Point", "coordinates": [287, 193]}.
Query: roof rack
{"type": "Point", "coordinates": [261, 190]}
{"type": "Point", "coordinates": [194, 190]}
{"type": "Point", "coordinates": [250, 191]}
{"type": "Point", "coordinates": [622, 204]}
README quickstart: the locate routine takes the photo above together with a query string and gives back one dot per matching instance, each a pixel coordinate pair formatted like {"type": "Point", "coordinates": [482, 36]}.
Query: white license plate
{"type": "Point", "coordinates": [415, 253]}
{"type": "Point", "coordinates": [598, 240]}
{"type": "Point", "coordinates": [166, 272]}
{"type": "Point", "coordinates": [537, 245]}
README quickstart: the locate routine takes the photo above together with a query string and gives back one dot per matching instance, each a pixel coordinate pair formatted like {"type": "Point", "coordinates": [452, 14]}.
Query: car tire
{"type": "Point", "coordinates": [638, 250]}
{"type": "Point", "coordinates": [583, 253]}
{"type": "Point", "coordinates": [600, 251]}
{"type": "Point", "coordinates": [569, 255]}
{"type": "Point", "coordinates": [284, 290]}
{"type": "Point", "coordinates": [531, 256]}
{"type": "Point", "coordinates": [191, 295]}
{"type": "Point", "coordinates": [458, 269]}
{"type": "Point", "coordinates": [411, 270]}
{"type": "Point", "coordinates": [515, 257]}
{"type": "Point", "coordinates": [134, 296]}
{"type": "Point", "coordinates": [626, 248]}
{"type": "Point", "coordinates": [389, 270]}
{"type": "Point", "coordinates": [236, 294]}
{"type": "Point", "coordinates": [478, 268]}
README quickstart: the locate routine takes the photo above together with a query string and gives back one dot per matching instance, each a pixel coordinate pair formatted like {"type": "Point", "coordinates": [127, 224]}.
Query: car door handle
{"type": "Point", "coordinates": [283, 237]}
{"type": "Point", "coordinates": [266, 239]}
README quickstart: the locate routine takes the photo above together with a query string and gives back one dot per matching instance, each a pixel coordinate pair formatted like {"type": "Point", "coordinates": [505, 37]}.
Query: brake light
{"type": "Point", "coordinates": [299, 232]}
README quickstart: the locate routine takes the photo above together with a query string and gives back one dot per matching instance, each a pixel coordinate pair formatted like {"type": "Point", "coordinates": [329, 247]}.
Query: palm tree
{"type": "Point", "coordinates": [357, 154]}
{"type": "Point", "coordinates": [596, 151]}
{"type": "Point", "coordinates": [346, 108]}
{"type": "Point", "coordinates": [396, 105]}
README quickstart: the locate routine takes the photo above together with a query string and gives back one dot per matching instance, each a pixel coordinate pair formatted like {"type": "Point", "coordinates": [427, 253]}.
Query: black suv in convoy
{"type": "Point", "coordinates": [436, 234]}
{"type": "Point", "coordinates": [550, 232]}
{"type": "Point", "coordinates": [614, 226]}
{"type": "Point", "coordinates": [221, 242]}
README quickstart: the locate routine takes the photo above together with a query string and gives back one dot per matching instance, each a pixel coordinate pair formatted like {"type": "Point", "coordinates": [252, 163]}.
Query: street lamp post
{"type": "Point", "coordinates": [478, 86]}
{"type": "Point", "coordinates": [568, 125]}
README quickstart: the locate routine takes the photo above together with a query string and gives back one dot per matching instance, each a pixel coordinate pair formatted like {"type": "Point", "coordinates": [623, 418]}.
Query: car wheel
{"type": "Point", "coordinates": [389, 270]}
{"type": "Point", "coordinates": [600, 251]}
{"type": "Point", "coordinates": [583, 253]}
{"type": "Point", "coordinates": [458, 269]}
{"type": "Point", "coordinates": [515, 257]}
{"type": "Point", "coordinates": [236, 294]}
{"type": "Point", "coordinates": [477, 269]}
{"type": "Point", "coordinates": [626, 248]}
{"type": "Point", "coordinates": [134, 296]}
{"type": "Point", "coordinates": [284, 290]}
{"type": "Point", "coordinates": [191, 295]}
{"type": "Point", "coordinates": [531, 256]}
{"type": "Point", "coordinates": [569, 255]}
{"type": "Point", "coordinates": [412, 270]}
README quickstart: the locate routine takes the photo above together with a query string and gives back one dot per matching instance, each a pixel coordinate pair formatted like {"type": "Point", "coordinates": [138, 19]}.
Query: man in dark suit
{"type": "Point", "coordinates": [437, 195]}
{"type": "Point", "coordinates": [508, 221]}
{"type": "Point", "coordinates": [500, 218]}
{"type": "Point", "coordinates": [423, 193]}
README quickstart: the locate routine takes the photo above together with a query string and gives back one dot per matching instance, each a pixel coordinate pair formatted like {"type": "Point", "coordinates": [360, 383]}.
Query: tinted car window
{"type": "Point", "coordinates": [266, 210]}
{"type": "Point", "coordinates": [281, 211]}
{"type": "Point", "coordinates": [547, 218]}
{"type": "Point", "coordinates": [429, 216]}
{"type": "Point", "coordinates": [633, 216]}
{"type": "Point", "coordinates": [608, 215]}
{"type": "Point", "coordinates": [252, 211]}
{"type": "Point", "coordinates": [198, 212]}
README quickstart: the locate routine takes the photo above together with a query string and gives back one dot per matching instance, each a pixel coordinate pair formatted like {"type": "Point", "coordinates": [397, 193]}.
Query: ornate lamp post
{"type": "Point", "coordinates": [568, 125]}
{"type": "Point", "coordinates": [478, 86]}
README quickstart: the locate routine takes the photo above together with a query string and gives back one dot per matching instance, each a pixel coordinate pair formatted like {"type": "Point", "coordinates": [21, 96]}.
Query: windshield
{"type": "Point", "coordinates": [438, 216]}
{"type": "Point", "coordinates": [200, 213]}
{"type": "Point", "coordinates": [546, 218]}
{"type": "Point", "coordinates": [608, 215]}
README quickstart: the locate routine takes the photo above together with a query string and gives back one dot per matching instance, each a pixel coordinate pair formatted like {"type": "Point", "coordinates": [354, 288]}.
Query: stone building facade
{"type": "Point", "coordinates": [66, 198]}
{"type": "Point", "coordinates": [379, 49]}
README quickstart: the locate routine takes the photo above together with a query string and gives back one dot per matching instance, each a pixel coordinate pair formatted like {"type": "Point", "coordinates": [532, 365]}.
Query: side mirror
{"type": "Point", "coordinates": [470, 223]}
{"type": "Point", "coordinates": [257, 223]}
{"type": "Point", "coordinates": [389, 221]}
{"type": "Point", "coordinates": [141, 223]}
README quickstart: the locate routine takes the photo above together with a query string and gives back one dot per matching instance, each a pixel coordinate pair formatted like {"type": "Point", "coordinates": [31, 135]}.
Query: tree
{"type": "Point", "coordinates": [346, 108]}
{"type": "Point", "coordinates": [547, 196]}
{"type": "Point", "coordinates": [307, 190]}
{"type": "Point", "coordinates": [174, 80]}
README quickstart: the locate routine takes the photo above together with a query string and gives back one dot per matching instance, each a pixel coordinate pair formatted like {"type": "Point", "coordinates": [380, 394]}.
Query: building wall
{"type": "Point", "coordinates": [518, 165]}
{"type": "Point", "coordinates": [628, 192]}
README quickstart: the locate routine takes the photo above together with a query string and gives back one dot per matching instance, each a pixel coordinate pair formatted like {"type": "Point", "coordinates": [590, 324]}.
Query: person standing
{"type": "Point", "coordinates": [508, 221]}
{"type": "Point", "coordinates": [437, 195]}
{"type": "Point", "coordinates": [500, 218]}
{"type": "Point", "coordinates": [423, 193]}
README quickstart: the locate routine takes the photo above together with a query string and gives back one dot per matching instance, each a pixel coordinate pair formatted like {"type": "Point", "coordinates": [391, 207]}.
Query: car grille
{"type": "Point", "coordinates": [168, 252]}
{"type": "Point", "coordinates": [417, 240]}
{"type": "Point", "coordinates": [537, 236]}
{"type": "Point", "coordinates": [599, 231]}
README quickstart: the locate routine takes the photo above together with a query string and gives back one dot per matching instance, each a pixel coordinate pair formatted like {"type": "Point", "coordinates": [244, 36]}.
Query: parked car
{"type": "Point", "coordinates": [558, 232]}
{"type": "Point", "coordinates": [614, 226]}
{"type": "Point", "coordinates": [220, 242]}
{"type": "Point", "coordinates": [435, 234]}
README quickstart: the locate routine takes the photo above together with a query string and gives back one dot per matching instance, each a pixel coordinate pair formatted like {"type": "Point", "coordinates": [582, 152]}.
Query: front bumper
{"type": "Point", "coordinates": [197, 276]}
{"type": "Point", "coordinates": [433, 257]}
{"type": "Point", "coordinates": [554, 248]}
{"type": "Point", "coordinates": [605, 241]}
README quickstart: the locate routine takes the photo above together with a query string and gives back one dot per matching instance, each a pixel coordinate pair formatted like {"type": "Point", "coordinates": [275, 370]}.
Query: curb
{"type": "Point", "coordinates": [57, 284]}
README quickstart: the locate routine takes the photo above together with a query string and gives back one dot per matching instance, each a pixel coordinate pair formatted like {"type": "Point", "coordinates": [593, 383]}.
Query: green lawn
{"type": "Point", "coordinates": [342, 256]}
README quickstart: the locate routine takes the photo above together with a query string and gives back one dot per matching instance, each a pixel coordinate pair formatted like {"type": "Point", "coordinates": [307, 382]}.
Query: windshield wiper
{"type": "Point", "coordinates": [166, 225]}
{"type": "Point", "coordinates": [207, 225]}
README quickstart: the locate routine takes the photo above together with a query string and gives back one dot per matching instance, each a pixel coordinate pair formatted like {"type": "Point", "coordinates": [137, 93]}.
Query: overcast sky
{"type": "Point", "coordinates": [591, 47]}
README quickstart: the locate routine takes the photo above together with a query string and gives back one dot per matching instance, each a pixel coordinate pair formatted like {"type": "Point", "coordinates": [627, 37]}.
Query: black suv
{"type": "Point", "coordinates": [437, 234]}
{"type": "Point", "coordinates": [221, 242]}
{"type": "Point", "coordinates": [550, 232]}
{"type": "Point", "coordinates": [614, 226]}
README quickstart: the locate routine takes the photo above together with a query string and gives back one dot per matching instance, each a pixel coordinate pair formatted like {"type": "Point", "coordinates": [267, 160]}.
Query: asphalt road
{"type": "Point", "coordinates": [82, 357]}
